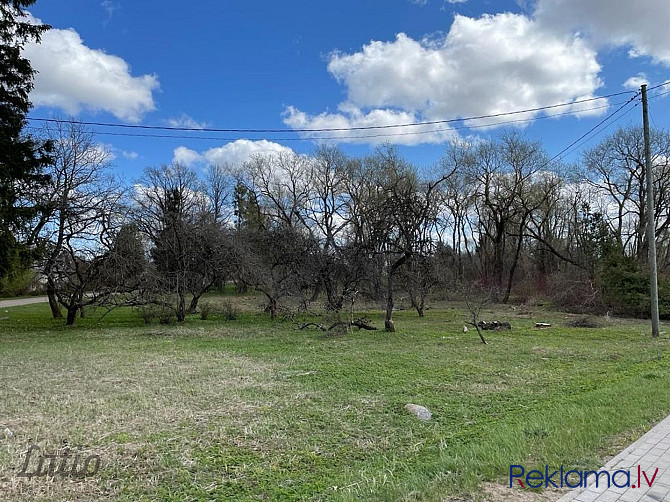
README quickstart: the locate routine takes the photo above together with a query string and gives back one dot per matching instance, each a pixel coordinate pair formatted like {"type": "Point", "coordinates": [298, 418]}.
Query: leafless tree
{"type": "Point", "coordinates": [77, 208]}
{"type": "Point", "coordinates": [189, 248]}
{"type": "Point", "coordinates": [615, 168]}
{"type": "Point", "coordinates": [393, 211]}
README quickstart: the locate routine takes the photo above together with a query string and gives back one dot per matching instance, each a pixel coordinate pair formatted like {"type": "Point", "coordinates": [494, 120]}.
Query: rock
{"type": "Point", "coordinates": [420, 412]}
{"type": "Point", "coordinates": [465, 329]}
{"type": "Point", "coordinates": [8, 432]}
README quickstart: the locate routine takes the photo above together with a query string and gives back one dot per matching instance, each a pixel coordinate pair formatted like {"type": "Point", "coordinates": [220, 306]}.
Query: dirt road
{"type": "Point", "coordinates": [22, 301]}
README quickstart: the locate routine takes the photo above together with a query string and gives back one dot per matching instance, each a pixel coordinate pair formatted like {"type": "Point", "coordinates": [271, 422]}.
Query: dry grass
{"type": "Point", "coordinates": [110, 403]}
{"type": "Point", "coordinates": [253, 410]}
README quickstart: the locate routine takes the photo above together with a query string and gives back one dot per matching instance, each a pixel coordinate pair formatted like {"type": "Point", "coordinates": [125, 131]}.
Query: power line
{"type": "Point", "coordinates": [587, 133]}
{"type": "Point", "coordinates": [659, 95]}
{"type": "Point", "coordinates": [331, 129]}
{"type": "Point", "coordinates": [667, 82]}
{"type": "Point", "coordinates": [344, 138]}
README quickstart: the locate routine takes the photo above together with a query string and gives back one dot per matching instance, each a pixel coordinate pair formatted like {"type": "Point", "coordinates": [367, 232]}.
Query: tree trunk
{"type": "Point", "coordinates": [508, 289]}
{"type": "Point", "coordinates": [273, 308]}
{"type": "Point", "coordinates": [71, 315]}
{"type": "Point", "coordinates": [418, 302]}
{"type": "Point", "coordinates": [53, 302]}
{"type": "Point", "coordinates": [193, 306]}
{"type": "Point", "coordinates": [316, 293]}
{"type": "Point", "coordinates": [419, 309]}
{"type": "Point", "coordinates": [241, 286]}
{"type": "Point", "coordinates": [388, 322]}
{"type": "Point", "coordinates": [181, 308]}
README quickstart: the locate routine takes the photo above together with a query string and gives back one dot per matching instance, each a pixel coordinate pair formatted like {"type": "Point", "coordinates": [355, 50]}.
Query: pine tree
{"type": "Point", "coordinates": [21, 157]}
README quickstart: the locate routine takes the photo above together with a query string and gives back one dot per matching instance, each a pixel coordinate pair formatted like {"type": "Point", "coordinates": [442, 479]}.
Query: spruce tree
{"type": "Point", "coordinates": [21, 157]}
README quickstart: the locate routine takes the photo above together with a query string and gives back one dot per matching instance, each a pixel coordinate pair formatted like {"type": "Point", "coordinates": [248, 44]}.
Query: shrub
{"type": "Point", "coordinates": [205, 309]}
{"type": "Point", "coordinates": [149, 313]}
{"type": "Point", "coordinates": [20, 282]}
{"type": "Point", "coordinates": [584, 322]}
{"type": "Point", "coordinates": [229, 311]}
{"type": "Point", "coordinates": [166, 315]}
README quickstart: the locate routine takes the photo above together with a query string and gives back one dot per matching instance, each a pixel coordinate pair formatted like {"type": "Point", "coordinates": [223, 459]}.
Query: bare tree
{"type": "Point", "coordinates": [279, 261]}
{"type": "Point", "coordinates": [75, 206]}
{"type": "Point", "coordinates": [616, 169]}
{"type": "Point", "coordinates": [189, 247]}
{"type": "Point", "coordinates": [504, 171]}
{"type": "Point", "coordinates": [218, 187]}
{"type": "Point", "coordinates": [393, 212]}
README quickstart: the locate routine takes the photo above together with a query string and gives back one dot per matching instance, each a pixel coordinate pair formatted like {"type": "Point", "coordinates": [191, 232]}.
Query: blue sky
{"type": "Point", "coordinates": [263, 64]}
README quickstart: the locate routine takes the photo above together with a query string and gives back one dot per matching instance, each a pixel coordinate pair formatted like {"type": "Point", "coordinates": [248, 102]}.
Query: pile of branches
{"type": "Point", "coordinates": [494, 325]}
{"type": "Point", "coordinates": [360, 323]}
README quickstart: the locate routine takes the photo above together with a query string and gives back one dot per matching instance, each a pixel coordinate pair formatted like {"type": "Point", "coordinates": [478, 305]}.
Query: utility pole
{"type": "Point", "coordinates": [651, 222]}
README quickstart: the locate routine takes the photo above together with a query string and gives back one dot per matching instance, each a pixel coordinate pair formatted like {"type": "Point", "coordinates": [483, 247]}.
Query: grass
{"type": "Point", "coordinates": [254, 410]}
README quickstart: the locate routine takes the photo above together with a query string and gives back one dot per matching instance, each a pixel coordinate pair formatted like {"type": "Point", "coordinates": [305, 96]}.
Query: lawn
{"type": "Point", "coordinates": [257, 410]}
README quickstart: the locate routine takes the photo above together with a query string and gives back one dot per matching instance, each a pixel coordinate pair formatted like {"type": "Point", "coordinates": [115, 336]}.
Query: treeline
{"type": "Point", "coordinates": [492, 217]}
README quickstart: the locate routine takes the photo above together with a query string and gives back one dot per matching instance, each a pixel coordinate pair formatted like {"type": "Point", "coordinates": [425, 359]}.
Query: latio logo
{"type": "Point", "coordinates": [62, 464]}
{"type": "Point", "coordinates": [580, 479]}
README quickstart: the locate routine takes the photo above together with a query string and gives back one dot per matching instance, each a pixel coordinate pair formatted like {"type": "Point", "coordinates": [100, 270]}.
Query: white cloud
{"type": "Point", "coordinates": [110, 7]}
{"type": "Point", "coordinates": [130, 155]}
{"type": "Point", "coordinates": [234, 153]}
{"type": "Point", "coordinates": [72, 77]}
{"type": "Point", "coordinates": [642, 26]}
{"type": "Point", "coordinates": [455, 1]}
{"type": "Point", "coordinates": [634, 83]}
{"type": "Point", "coordinates": [185, 120]}
{"type": "Point", "coordinates": [351, 116]}
{"type": "Point", "coordinates": [186, 156]}
{"type": "Point", "coordinates": [483, 66]}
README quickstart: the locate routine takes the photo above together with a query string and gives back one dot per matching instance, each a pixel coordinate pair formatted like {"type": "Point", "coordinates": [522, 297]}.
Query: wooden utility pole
{"type": "Point", "coordinates": [651, 222]}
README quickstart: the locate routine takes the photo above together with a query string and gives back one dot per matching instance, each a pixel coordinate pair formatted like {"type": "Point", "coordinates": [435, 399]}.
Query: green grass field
{"type": "Point", "coordinates": [254, 410]}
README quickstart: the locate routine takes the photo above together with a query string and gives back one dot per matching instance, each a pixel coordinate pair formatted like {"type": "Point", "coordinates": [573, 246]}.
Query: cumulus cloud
{"type": "Point", "coordinates": [641, 26]}
{"type": "Point", "coordinates": [186, 156]}
{"type": "Point", "coordinates": [483, 66]}
{"type": "Point", "coordinates": [634, 83]}
{"type": "Point", "coordinates": [351, 116]}
{"type": "Point", "coordinates": [130, 155]}
{"type": "Point", "coordinates": [185, 120]}
{"type": "Point", "coordinates": [72, 77]}
{"type": "Point", "coordinates": [234, 153]}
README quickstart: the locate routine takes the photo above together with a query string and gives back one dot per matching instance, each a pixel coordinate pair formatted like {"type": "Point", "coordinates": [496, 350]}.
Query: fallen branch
{"type": "Point", "coordinates": [317, 326]}
{"type": "Point", "coordinates": [358, 324]}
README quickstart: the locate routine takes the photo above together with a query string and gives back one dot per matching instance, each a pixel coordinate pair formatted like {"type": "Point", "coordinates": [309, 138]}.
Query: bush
{"type": "Point", "coordinates": [205, 309]}
{"type": "Point", "coordinates": [229, 311]}
{"type": "Point", "coordinates": [20, 282]}
{"type": "Point", "coordinates": [149, 313]}
{"type": "Point", "coordinates": [166, 316]}
{"type": "Point", "coordinates": [584, 322]}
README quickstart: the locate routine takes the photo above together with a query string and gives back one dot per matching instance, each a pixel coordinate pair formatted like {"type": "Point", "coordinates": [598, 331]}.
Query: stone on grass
{"type": "Point", "coordinates": [420, 412]}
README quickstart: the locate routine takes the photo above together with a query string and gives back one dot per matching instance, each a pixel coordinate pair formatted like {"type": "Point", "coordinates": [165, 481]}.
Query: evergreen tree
{"type": "Point", "coordinates": [21, 157]}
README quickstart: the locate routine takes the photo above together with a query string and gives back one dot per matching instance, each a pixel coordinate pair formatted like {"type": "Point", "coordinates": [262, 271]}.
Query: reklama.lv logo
{"type": "Point", "coordinates": [578, 479]}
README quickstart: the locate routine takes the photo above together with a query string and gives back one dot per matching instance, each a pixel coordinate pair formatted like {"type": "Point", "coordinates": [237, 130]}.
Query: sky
{"type": "Point", "coordinates": [298, 65]}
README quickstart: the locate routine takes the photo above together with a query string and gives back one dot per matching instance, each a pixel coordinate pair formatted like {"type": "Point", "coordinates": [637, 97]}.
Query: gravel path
{"type": "Point", "coordinates": [22, 301]}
